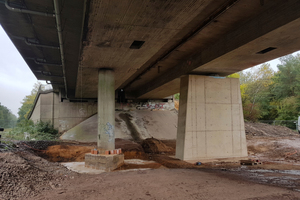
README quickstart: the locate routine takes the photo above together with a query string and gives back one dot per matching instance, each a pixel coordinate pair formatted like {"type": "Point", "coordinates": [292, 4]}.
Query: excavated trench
{"type": "Point", "coordinates": [137, 154]}
{"type": "Point", "coordinates": [156, 154]}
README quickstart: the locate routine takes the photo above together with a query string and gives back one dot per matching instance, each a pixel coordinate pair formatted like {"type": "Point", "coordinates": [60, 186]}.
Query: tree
{"type": "Point", "coordinates": [286, 88]}
{"type": "Point", "coordinates": [27, 102]}
{"type": "Point", "coordinates": [255, 93]}
{"type": "Point", "coordinates": [287, 79]}
{"type": "Point", "coordinates": [7, 119]}
{"type": "Point", "coordinates": [235, 75]}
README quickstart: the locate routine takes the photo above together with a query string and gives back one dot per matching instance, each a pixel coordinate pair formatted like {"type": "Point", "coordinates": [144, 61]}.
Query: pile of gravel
{"type": "Point", "coordinates": [23, 175]}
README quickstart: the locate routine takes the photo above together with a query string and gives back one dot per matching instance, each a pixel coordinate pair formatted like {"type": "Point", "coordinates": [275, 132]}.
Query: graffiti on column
{"type": "Point", "coordinates": [109, 130]}
{"type": "Point", "coordinates": [153, 105]}
{"type": "Point", "coordinates": [82, 112]}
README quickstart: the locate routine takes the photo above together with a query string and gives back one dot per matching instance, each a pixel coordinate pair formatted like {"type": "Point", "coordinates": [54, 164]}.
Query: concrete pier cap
{"type": "Point", "coordinates": [106, 109]}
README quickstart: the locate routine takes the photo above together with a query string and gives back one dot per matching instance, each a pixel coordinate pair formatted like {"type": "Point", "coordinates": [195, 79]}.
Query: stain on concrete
{"type": "Point", "coordinates": [118, 121]}
{"type": "Point", "coordinates": [133, 131]}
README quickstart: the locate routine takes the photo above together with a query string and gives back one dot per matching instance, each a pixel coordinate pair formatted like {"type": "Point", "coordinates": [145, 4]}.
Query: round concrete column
{"type": "Point", "coordinates": [106, 109]}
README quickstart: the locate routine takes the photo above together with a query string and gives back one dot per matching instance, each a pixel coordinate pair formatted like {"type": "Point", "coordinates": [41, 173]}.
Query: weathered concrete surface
{"type": "Point", "coordinates": [104, 162]}
{"type": "Point", "coordinates": [64, 115]}
{"type": "Point", "coordinates": [79, 119]}
{"type": "Point", "coordinates": [85, 131]}
{"type": "Point", "coordinates": [135, 124]}
{"type": "Point", "coordinates": [210, 121]}
{"type": "Point", "coordinates": [106, 109]}
{"type": "Point", "coordinates": [226, 42]}
{"type": "Point", "coordinates": [44, 108]}
{"type": "Point", "coordinates": [36, 113]}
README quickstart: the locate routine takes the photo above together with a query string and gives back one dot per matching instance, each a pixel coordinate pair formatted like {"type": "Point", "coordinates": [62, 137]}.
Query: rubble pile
{"type": "Point", "coordinates": [261, 129]}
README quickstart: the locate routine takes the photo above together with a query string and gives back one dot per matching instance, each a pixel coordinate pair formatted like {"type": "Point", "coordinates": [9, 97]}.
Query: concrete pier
{"type": "Point", "coordinates": [210, 120]}
{"type": "Point", "coordinates": [106, 110]}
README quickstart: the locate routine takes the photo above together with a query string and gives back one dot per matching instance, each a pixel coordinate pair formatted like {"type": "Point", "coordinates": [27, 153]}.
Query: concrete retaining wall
{"type": "Point", "coordinates": [63, 115]}
{"type": "Point", "coordinates": [66, 115]}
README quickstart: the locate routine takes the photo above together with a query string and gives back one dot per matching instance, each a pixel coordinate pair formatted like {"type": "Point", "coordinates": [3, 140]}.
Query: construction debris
{"type": "Point", "coordinates": [250, 162]}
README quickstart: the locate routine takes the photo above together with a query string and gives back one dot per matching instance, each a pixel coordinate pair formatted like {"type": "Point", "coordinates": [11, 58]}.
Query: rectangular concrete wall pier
{"type": "Point", "coordinates": [106, 109]}
{"type": "Point", "coordinates": [210, 120]}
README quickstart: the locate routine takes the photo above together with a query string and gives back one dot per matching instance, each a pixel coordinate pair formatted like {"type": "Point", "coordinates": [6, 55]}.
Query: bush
{"type": "Point", "coordinates": [177, 96]}
{"type": "Point", "coordinates": [251, 112]}
{"type": "Point", "coordinates": [38, 131]}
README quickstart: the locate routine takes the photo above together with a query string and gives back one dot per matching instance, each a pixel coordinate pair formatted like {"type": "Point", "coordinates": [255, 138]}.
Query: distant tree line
{"type": "Point", "coordinates": [8, 120]}
{"type": "Point", "coordinates": [271, 95]}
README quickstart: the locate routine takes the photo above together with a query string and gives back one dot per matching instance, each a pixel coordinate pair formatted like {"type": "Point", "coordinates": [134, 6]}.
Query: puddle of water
{"type": "Point", "coordinates": [285, 178]}
{"type": "Point", "coordinates": [245, 168]}
{"type": "Point", "coordinates": [290, 172]}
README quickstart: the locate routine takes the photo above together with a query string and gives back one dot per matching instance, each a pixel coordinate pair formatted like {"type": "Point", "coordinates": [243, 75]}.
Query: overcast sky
{"type": "Point", "coordinates": [17, 80]}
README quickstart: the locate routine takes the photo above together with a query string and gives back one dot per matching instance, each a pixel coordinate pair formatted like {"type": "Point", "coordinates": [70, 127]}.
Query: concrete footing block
{"type": "Point", "coordinates": [104, 162]}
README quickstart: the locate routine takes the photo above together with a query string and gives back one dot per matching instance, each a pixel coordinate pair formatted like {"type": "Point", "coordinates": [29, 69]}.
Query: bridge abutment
{"type": "Point", "coordinates": [210, 120]}
{"type": "Point", "coordinates": [106, 109]}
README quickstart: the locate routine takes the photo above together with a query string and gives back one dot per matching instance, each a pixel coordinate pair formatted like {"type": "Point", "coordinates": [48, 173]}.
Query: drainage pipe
{"type": "Point", "coordinates": [36, 44]}
{"type": "Point", "coordinates": [59, 31]}
{"type": "Point", "coordinates": [21, 10]}
{"type": "Point", "coordinates": [45, 63]}
{"type": "Point", "coordinates": [60, 39]}
{"type": "Point", "coordinates": [39, 45]}
{"type": "Point", "coordinates": [49, 74]}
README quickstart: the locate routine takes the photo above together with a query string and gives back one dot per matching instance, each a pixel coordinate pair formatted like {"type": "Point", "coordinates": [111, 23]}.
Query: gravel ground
{"type": "Point", "coordinates": [24, 175]}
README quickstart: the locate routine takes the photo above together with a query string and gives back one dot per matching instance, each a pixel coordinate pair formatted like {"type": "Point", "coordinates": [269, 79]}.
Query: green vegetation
{"type": "Point", "coordinates": [27, 103]}
{"type": "Point", "coordinates": [7, 119]}
{"type": "Point", "coordinates": [38, 131]}
{"type": "Point", "coordinates": [176, 96]}
{"type": "Point", "coordinates": [270, 95]}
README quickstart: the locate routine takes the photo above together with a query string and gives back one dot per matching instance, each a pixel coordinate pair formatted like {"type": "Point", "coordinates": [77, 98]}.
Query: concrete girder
{"type": "Point", "coordinates": [274, 28]}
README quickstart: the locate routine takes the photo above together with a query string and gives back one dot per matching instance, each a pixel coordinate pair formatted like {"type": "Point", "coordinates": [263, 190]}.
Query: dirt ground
{"type": "Point", "coordinates": [32, 170]}
{"type": "Point", "coordinates": [164, 184]}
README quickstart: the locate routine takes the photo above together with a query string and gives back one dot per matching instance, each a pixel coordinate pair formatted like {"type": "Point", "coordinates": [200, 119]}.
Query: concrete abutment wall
{"type": "Point", "coordinates": [68, 115]}
{"type": "Point", "coordinates": [63, 115]}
